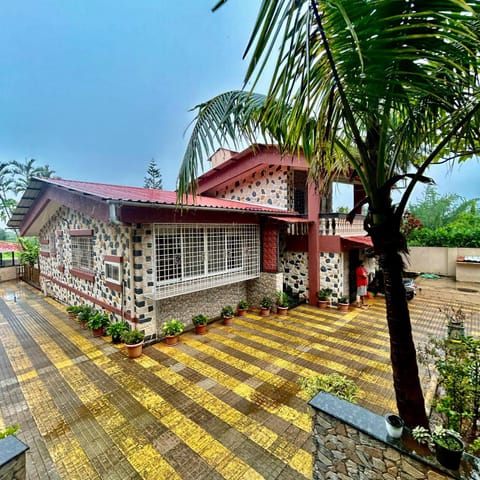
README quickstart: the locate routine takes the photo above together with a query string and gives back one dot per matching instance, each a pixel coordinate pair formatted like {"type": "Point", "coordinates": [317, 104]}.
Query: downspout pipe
{"type": "Point", "coordinates": [112, 213]}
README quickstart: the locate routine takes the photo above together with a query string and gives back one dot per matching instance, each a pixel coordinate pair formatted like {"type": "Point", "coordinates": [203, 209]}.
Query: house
{"type": "Point", "coordinates": [315, 246]}
{"type": "Point", "coordinates": [256, 227]}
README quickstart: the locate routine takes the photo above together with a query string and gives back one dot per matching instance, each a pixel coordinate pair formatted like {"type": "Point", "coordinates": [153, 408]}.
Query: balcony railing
{"type": "Point", "coordinates": [336, 224]}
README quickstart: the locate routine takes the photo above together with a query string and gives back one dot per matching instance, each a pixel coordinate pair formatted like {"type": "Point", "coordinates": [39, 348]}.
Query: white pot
{"type": "Point", "coordinates": [394, 425]}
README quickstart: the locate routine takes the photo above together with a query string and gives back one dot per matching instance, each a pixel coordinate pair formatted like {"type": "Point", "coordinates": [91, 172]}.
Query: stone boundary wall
{"type": "Point", "coordinates": [12, 459]}
{"type": "Point", "coordinates": [351, 442]}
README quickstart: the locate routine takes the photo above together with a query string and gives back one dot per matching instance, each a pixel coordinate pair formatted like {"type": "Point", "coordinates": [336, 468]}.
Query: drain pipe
{"type": "Point", "coordinates": [114, 220]}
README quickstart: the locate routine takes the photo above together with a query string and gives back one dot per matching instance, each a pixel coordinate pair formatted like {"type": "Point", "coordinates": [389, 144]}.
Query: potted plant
{"type": "Point", "coordinates": [447, 443]}
{"type": "Point", "coordinates": [323, 296]}
{"type": "Point", "coordinates": [172, 329]}
{"type": "Point", "coordinates": [97, 323]}
{"type": "Point", "coordinates": [242, 308]}
{"type": "Point", "coordinates": [455, 322]}
{"type": "Point", "coordinates": [200, 322]}
{"type": "Point", "coordinates": [394, 425]}
{"type": "Point", "coordinates": [227, 314]}
{"type": "Point", "coordinates": [266, 305]}
{"type": "Point", "coordinates": [283, 302]}
{"type": "Point", "coordinates": [115, 330]}
{"type": "Point", "coordinates": [73, 310]}
{"type": "Point", "coordinates": [84, 315]}
{"type": "Point", "coordinates": [133, 342]}
{"type": "Point", "coordinates": [343, 303]}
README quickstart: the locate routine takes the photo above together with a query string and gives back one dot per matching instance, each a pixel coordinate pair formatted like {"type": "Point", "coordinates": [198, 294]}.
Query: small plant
{"type": "Point", "coordinates": [324, 294]}
{"type": "Point", "coordinates": [74, 309]}
{"type": "Point", "coordinates": [116, 329]}
{"type": "Point", "coordinates": [200, 320]}
{"type": "Point", "coordinates": [173, 327]}
{"type": "Point", "coordinates": [11, 430]}
{"type": "Point", "coordinates": [343, 299]}
{"type": "Point", "coordinates": [98, 320]}
{"type": "Point", "coordinates": [449, 439]}
{"type": "Point", "coordinates": [283, 300]}
{"type": "Point", "coordinates": [243, 305]}
{"type": "Point", "coordinates": [266, 302]}
{"type": "Point", "coordinates": [334, 383]}
{"type": "Point", "coordinates": [132, 337]}
{"type": "Point", "coordinates": [85, 313]}
{"type": "Point", "coordinates": [227, 311]}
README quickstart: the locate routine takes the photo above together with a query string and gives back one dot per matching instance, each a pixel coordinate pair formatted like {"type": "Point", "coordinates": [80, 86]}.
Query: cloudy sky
{"type": "Point", "coordinates": [97, 88]}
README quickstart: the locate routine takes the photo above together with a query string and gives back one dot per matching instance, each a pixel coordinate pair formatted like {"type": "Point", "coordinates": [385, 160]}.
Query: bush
{"type": "Point", "coordinates": [200, 319]}
{"type": "Point", "coordinates": [227, 311]}
{"type": "Point", "coordinates": [132, 337]}
{"type": "Point", "coordinates": [333, 383]}
{"type": "Point", "coordinates": [173, 327]}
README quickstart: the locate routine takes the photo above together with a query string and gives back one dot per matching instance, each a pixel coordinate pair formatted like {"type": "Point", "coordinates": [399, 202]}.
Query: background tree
{"type": "Point", "coordinates": [14, 178]}
{"type": "Point", "coordinates": [22, 172]}
{"type": "Point", "coordinates": [153, 179]}
{"type": "Point", "coordinates": [378, 89]}
{"type": "Point", "coordinates": [435, 210]}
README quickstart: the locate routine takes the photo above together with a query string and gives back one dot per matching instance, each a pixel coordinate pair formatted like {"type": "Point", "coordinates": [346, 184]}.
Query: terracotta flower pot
{"type": "Point", "coordinates": [241, 312]}
{"type": "Point", "coordinates": [264, 312]}
{"type": "Point", "coordinates": [282, 310]}
{"type": "Point", "coordinates": [98, 332]}
{"type": "Point", "coordinates": [200, 329]}
{"type": "Point", "coordinates": [171, 340]}
{"type": "Point", "coordinates": [323, 303]}
{"type": "Point", "coordinates": [227, 320]}
{"type": "Point", "coordinates": [134, 350]}
{"type": "Point", "coordinates": [343, 307]}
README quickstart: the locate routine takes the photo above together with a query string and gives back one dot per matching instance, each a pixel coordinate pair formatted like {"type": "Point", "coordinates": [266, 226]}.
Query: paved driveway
{"type": "Point", "coordinates": [223, 405]}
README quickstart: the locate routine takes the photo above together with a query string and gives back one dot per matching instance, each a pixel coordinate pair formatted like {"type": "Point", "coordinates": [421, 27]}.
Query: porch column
{"type": "Point", "coordinates": [313, 243]}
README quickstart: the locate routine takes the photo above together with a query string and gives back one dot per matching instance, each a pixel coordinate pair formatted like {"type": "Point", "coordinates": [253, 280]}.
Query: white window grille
{"type": "Point", "coordinates": [82, 253]}
{"type": "Point", "coordinates": [52, 243]}
{"type": "Point", "coordinates": [189, 258]}
{"type": "Point", "coordinates": [113, 272]}
{"type": "Point", "coordinates": [60, 257]}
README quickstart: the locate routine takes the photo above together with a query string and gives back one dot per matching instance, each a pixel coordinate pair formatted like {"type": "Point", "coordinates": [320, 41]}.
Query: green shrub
{"type": "Point", "coordinates": [11, 430]}
{"type": "Point", "coordinates": [333, 383]}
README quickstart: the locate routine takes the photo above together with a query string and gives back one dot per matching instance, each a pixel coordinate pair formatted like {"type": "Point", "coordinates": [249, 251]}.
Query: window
{"type": "Point", "coordinates": [53, 244]}
{"type": "Point", "coordinates": [190, 258]}
{"type": "Point", "coordinates": [82, 253]}
{"type": "Point", "coordinates": [113, 272]}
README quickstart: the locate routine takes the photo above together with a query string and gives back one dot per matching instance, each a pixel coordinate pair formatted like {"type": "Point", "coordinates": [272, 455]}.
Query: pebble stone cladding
{"type": "Point", "coordinates": [294, 266]}
{"type": "Point", "coordinates": [268, 186]}
{"type": "Point", "coordinates": [137, 279]}
{"type": "Point", "coordinates": [342, 452]}
{"type": "Point", "coordinates": [332, 268]}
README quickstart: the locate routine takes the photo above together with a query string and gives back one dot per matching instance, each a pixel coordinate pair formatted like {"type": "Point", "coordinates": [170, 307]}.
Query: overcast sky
{"type": "Point", "coordinates": [97, 88]}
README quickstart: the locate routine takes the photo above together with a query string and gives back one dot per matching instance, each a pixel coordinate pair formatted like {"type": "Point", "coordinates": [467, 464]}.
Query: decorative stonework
{"type": "Point", "coordinates": [351, 442]}
{"type": "Point", "coordinates": [332, 273]}
{"type": "Point", "coordinates": [294, 266]}
{"type": "Point", "coordinates": [268, 186]}
{"type": "Point", "coordinates": [265, 286]}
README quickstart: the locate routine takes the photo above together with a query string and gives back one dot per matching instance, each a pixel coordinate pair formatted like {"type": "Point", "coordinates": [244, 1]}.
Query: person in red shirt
{"type": "Point", "coordinates": [361, 274]}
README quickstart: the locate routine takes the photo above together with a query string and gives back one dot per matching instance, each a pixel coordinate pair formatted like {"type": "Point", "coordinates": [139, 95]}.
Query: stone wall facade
{"type": "Point", "coordinates": [294, 266]}
{"type": "Point", "coordinates": [350, 442]}
{"type": "Point", "coordinates": [268, 186]}
{"type": "Point", "coordinates": [135, 299]}
{"type": "Point", "coordinates": [12, 459]}
{"type": "Point", "coordinates": [264, 286]}
{"type": "Point", "coordinates": [334, 273]}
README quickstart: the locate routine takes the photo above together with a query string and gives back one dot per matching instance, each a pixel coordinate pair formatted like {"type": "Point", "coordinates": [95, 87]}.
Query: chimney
{"type": "Point", "coordinates": [221, 156]}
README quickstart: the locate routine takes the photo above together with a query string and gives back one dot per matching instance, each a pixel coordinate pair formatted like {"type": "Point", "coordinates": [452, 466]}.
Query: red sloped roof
{"type": "Point", "coordinates": [6, 247]}
{"type": "Point", "coordinates": [147, 195]}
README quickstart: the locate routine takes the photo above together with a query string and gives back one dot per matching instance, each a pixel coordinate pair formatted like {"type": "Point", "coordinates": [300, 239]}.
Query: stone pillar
{"type": "Point", "coordinates": [12, 459]}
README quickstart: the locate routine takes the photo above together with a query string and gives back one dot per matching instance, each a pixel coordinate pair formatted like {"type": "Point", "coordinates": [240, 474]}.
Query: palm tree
{"type": "Point", "coordinates": [7, 204]}
{"type": "Point", "coordinates": [380, 88]}
{"type": "Point", "coordinates": [23, 172]}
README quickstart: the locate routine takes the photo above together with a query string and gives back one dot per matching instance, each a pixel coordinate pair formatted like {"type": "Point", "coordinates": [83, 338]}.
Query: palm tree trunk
{"type": "Point", "coordinates": [406, 382]}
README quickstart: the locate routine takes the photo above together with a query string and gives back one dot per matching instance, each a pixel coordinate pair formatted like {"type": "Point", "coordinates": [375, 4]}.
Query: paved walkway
{"type": "Point", "coordinates": [224, 405]}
